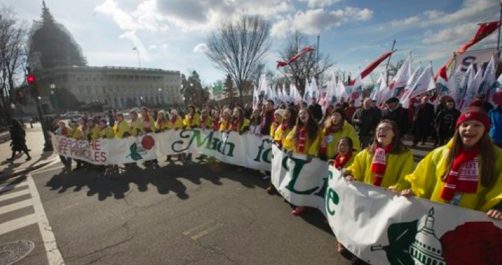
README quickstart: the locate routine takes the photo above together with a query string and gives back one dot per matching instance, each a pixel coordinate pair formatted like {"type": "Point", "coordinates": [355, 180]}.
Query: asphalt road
{"type": "Point", "coordinates": [196, 214]}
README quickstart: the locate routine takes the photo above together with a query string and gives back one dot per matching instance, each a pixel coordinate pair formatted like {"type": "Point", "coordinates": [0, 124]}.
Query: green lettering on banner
{"type": "Point", "coordinates": [299, 163]}
{"type": "Point", "coordinates": [264, 154]}
{"type": "Point", "coordinates": [332, 197]}
{"type": "Point", "coordinates": [195, 135]}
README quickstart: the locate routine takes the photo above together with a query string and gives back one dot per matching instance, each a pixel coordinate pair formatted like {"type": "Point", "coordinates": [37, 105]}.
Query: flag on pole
{"type": "Point", "coordinates": [295, 57]}
{"type": "Point", "coordinates": [483, 31]}
{"type": "Point", "coordinates": [399, 81]}
{"type": "Point", "coordinates": [424, 83]}
{"type": "Point", "coordinates": [463, 86]}
{"type": "Point", "coordinates": [495, 92]}
{"type": "Point", "coordinates": [489, 77]}
{"type": "Point", "coordinates": [370, 67]}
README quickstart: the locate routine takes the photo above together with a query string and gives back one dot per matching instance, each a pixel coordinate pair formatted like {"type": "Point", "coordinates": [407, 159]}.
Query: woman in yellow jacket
{"type": "Point", "coordinates": [286, 125]}
{"type": "Point", "coordinates": [147, 122]}
{"type": "Point", "coordinates": [303, 139]}
{"type": "Point", "coordinates": [92, 130]}
{"type": "Point", "coordinates": [105, 131]}
{"type": "Point", "coordinates": [385, 162]}
{"type": "Point", "coordinates": [135, 126]}
{"type": "Point", "coordinates": [205, 119]}
{"type": "Point", "coordinates": [121, 128]}
{"type": "Point", "coordinates": [336, 127]}
{"type": "Point", "coordinates": [75, 133]}
{"type": "Point", "coordinates": [225, 120]}
{"type": "Point", "coordinates": [466, 172]}
{"type": "Point", "coordinates": [345, 154]}
{"type": "Point", "coordinates": [161, 124]}
{"type": "Point", "coordinates": [175, 123]}
{"type": "Point", "coordinates": [192, 119]}
{"type": "Point", "coordinates": [239, 123]}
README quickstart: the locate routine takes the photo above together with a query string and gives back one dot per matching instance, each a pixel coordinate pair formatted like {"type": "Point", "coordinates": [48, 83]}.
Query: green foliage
{"type": "Point", "coordinates": [192, 90]}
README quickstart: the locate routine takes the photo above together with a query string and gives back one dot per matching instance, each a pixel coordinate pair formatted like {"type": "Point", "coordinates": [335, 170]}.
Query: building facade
{"type": "Point", "coordinates": [112, 87]}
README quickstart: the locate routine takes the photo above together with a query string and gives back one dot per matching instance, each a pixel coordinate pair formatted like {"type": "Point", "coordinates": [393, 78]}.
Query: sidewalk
{"type": "Point", "coordinates": [35, 142]}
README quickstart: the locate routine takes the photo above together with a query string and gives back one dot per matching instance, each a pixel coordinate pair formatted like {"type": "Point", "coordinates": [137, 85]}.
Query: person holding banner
{"type": "Point", "coordinates": [239, 123]}
{"type": "Point", "coordinates": [62, 130]}
{"type": "Point", "coordinates": [121, 128]}
{"type": "Point", "coordinates": [345, 155]}
{"type": "Point", "coordinates": [255, 122]}
{"type": "Point", "coordinates": [215, 120]}
{"type": "Point", "coordinates": [161, 123]}
{"type": "Point", "coordinates": [303, 139]}
{"type": "Point", "coordinates": [267, 117]}
{"type": "Point", "coordinates": [148, 126]}
{"type": "Point", "coordinates": [105, 131]}
{"type": "Point", "coordinates": [205, 119]}
{"type": "Point", "coordinates": [135, 127]}
{"type": "Point", "coordinates": [192, 118]}
{"type": "Point", "coordinates": [92, 130]}
{"type": "Point", "coordinates": [385, 162]}
{"type": "Point", "coordinates": [225, 120]}
{"type": "Point", "coordinates": [277, 121]}
{"type": "Point", "coordinates": [466, 172]}
{"type": "Point", "coordinates": [75, 133]}
{"type": "Point", "coordinates": [287, 124]}
{"type": "Point", "coordinates": [334, 129]}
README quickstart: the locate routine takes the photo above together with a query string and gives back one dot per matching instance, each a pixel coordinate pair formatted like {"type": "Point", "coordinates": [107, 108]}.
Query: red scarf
{"type": "Point", "coordinates": [216, 125]}
{"type": "Point", "coordinates": [234, 126]}
{"type": "Point", "coordinates": [173, 120]}
{"type": "Point", "coordinates": [379, 163]}
{"type": "Point", "coordinates": [302, 138]}
{"type": "Point", "coordinates": [203, 123]}
{"type": "Point", "coordinates": [341, 161]}
{"type": "Point", "coordinates": [462, 176]}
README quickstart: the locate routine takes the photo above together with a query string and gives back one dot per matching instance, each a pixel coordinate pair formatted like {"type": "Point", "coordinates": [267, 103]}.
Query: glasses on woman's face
{"type": "Point", "coordinates": [383, 128]}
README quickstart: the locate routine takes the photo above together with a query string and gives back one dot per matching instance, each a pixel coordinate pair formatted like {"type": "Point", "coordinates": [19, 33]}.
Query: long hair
{"type": "Point", "coordinates": [292, 118]}
{"type": "Point", "coordinates": [397, 144]}
{"type": "Point", "coordinates": [487, 152]}
{"type": "Point", "coordinates": [312, 127]}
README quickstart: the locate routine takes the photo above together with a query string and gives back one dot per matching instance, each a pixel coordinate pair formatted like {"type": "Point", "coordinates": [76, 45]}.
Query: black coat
{"type": "Point", "coordinates": [366, 121]}
{"type": "Point", "coordinates": [316, 111]}
{"type": "Point", "coordinates": [18, 137]}
{"type": "Point", "coordinates": [399, 116]}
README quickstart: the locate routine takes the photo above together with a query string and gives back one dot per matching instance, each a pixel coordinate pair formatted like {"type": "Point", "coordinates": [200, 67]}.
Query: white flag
{"type": "Point", "coordinates": [472, 89]}
{"type": "Point", "coordinates": [400, 80]}
{"type": "Point", "coordinates": [424, 83]}
{"type": "Point", "coordinates": [463, 86]}
{"type": "Point", "coordinates": [489, 77]}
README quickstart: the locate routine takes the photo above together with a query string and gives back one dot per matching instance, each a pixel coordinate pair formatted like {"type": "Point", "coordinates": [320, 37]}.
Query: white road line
{"type": "Point", "coordinates": [8, 187]}
{"type": "Point", "coordinates": [15, 206]}
{"type": "Point", "coordinates": [17, 223]}
{"type": "Point", "coordinates": [54, 257]}
{"type": "Point", "coordinates": [205, 232]}
{"type": "Point", "coordinates": [193, 229]}
{"type": "Point", "coordinates": [12, 195]}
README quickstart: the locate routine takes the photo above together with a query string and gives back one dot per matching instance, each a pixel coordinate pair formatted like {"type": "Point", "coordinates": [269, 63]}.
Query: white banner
{"type": "Point", "coordinates": [478, 58]}
{"type": "Point", "coordinates": [245, 150]}
{"type": "Point", "coordinates": [381, 227]}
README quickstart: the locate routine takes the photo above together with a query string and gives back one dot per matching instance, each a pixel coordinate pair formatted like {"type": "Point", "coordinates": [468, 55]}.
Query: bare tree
{"type": "Point", "coordinates": [238, 47]}
{"type": "Point", "coordinates": [12, 57]}
{"type": "Point", "coordinates": [310, 65]}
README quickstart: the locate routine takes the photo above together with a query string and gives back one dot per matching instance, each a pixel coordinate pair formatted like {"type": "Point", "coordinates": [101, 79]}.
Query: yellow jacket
{"type": "Point", "coordinates": [224, 125]}
{"type": "Point", "coordinates": [136, 127]}
{"type": "Point", "coordinates": [106, 132]}
{"type": "Point", "coordinates": [194, 122]}
{"type": "Point", "coordinates": [311, 146]}
{"type": "Point", "coordinates": [152, 124]}
{"type": "Point", "coordinates": [333, 139]}
{"type": "Point", "coordinates": [426, 181]}
{"type": "Point", "coordinates": [93, 133]}
{"type": "Point", "coordinates": [178, 124]}
{"type": "Point", "coordinates": [244, 124]}
{"type": "Point", "coordinates": [75, 133]}
{"type": "Point", "coordinates": [162, 125]}
{"type": "Point", "coordinates": [280, 135]}
{"type": "Point", "coordinates": [273, 128]}
{"type": "Point", "coordinates": [208, 123]}
{"type": "Point", "coordinates": [398, 166]}
{"type": "Point", "coordinates": [120, 129]}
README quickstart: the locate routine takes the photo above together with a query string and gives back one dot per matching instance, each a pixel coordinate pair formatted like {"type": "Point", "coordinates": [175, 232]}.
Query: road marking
{"type": "Point", "coordinates": [17, 223]}
{"type": "Point", "coordinates": [54, 257]}
{"type": "Point", "coordinates": [12, 195]}
{"type": "Point", "coordinates": [15, 206]}
{"type": "Point", "coordinates": [205, 232]}
{"type": "Point", "coordinates": [187, 232]}
{"type": "Point", "coordinates": [45, 170]}
{"type": "Point", "coordinates": [7, 187]}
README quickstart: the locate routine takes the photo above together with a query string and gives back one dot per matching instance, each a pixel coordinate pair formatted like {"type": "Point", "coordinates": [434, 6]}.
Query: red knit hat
{"type": "Point", "coordinates": [474, 113]}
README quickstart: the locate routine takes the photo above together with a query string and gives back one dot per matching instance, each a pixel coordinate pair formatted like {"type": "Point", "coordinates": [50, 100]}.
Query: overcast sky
{"type": "Point", "coordinates": [170, 34]}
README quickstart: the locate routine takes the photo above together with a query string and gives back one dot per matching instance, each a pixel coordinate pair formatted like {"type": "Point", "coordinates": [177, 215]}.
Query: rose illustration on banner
{"type": "Point", "coordinates": [401, 236]}
{"type": "Point", "coordinates": [147, 142]}
{"type": "Point", "coordinates": [135, 155]}
{"type": "Point", "coordinates": [473, 243]}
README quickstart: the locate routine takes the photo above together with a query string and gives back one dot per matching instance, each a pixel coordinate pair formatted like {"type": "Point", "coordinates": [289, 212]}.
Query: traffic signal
{"type": "Point", "coordinates": [31, 79]}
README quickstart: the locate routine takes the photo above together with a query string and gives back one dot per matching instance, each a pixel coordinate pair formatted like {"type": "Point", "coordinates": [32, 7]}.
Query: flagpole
{"type": "Point", "coordinates": [388, 61]}
{"type": "Point", "coordinates": [317, 58]}
{"type": "Point", "coordinates": [498, 38]}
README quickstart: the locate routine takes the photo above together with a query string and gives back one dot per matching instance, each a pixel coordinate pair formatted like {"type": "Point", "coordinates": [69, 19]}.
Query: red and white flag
{"type": "Point", "coordinates": [295, 57]}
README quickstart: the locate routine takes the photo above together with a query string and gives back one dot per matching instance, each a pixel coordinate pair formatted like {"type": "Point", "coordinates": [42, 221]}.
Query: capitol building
{"type": "Point", "coordinates": [113, 87]}
{"type": "Point", "coordinates": [65, 81]}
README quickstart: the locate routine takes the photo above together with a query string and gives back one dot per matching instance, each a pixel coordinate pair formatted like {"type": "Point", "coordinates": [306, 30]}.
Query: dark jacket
{"type": "Point", "coordinates": [17, 136]}
{"type": "Point", "coordinates": [445, 122]}
{"type": "Point", "coordinates": [316, 111]}
{"type": "Point", "coordinates": [268, 118]}
{"type": "Point", "coordinates": [366, 121]}
{"type": "Point", "coordinates": [399, 116]}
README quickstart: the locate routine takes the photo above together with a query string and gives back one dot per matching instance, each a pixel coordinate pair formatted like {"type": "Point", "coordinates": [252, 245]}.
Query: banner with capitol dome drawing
{"type": "Point", "coordinates": [383, 228]}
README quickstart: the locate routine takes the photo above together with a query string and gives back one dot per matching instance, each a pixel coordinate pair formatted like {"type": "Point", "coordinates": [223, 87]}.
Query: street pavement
{"type": "Point", "coordinates": [197, 213]}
